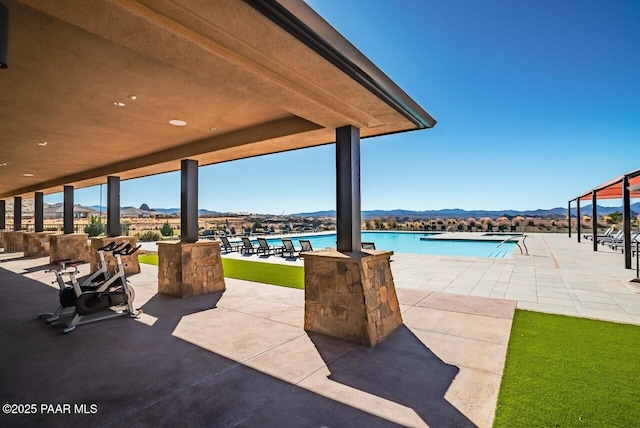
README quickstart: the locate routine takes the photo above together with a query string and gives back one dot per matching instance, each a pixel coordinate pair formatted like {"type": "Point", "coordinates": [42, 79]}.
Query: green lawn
{"type": "Point", "coordinates": [565, 372]}
{"type": "Point", "coordinates": [267, 273]}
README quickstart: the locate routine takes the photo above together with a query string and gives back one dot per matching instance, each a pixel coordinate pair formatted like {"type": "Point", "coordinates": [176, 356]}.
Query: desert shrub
{"type": "Point", "coordinates": [125, 226]}
{"type": "Point", "coordinates": [166, 229]}
{"type": "Point", "coordinates": [95, 226]}
{"type": "Point", "coordinates": [148, 236]}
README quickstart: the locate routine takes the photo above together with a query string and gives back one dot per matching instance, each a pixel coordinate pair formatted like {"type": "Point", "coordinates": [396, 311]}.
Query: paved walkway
{"type": "Point", "coordinates": [242, 358]}
{"type": "Point", "coordinates": [558, 276]}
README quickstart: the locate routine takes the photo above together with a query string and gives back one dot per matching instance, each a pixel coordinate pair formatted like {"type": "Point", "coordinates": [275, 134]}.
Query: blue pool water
{"type": "Point", "coordinates": [411, 243]}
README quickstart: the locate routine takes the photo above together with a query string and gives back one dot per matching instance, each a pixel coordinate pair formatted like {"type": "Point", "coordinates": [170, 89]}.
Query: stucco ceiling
{"type": "Point", "coordinates": [221, 65]}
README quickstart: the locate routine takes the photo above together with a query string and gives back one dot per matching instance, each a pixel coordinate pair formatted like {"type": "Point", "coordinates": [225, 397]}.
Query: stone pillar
{"type": "Point", "coordinates": [131, 264]}
{"type": "Point", "coordinates": [350, 296]}
{"type": "Point", "coordinates": [73, 246]}
{"type": "Point", "coordinates": [36, 244]}
{"type": "Point", "coordinates": [13, 241]}
{"type": "Point", "coordinates": [189, 269]}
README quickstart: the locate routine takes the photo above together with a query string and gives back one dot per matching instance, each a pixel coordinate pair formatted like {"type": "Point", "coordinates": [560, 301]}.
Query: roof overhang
{"type": "Point", "coordinates": [249, 78]}
{"type": "Point", "coordinates": [612, 189]}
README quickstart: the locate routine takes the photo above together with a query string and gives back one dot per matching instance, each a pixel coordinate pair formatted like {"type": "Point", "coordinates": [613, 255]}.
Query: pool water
{"type": "Point", "coordinates": [412, 244]}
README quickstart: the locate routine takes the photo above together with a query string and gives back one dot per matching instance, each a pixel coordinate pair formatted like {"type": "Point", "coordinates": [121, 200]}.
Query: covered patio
{"type": "Point", "coordinates": [624, 187]}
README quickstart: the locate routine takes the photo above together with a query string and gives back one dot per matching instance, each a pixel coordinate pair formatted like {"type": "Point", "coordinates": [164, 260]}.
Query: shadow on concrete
{"type": "Point", "coordinates": [141, 374]}
{"type": "Point", "coordinates": [400, 369]}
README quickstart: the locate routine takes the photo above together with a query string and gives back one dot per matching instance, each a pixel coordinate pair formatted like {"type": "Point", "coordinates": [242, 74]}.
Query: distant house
{"type": "Point", "coordinates": [78, 211]}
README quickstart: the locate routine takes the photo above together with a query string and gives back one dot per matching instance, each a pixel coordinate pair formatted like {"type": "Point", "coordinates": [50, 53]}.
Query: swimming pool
{"type": "Point", "coordinates": [412, 244]}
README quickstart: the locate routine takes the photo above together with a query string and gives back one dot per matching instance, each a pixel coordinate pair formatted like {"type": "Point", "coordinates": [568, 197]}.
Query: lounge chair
{"type": "Point", "coordinates": [306, 245]}
{"type": "Point", "coordinates": [619, 243]}
{"type": "Point", "coordinates": [228, 246]}
{"type": "Point", "coordinates": [287, 247]}
{"type": "Point", "coordinates": [266, 249]}
{"type": "Point", "coordinates": [612, 238]}
{"type": "Point", "coordinates": [607, 233]}
{"type": "Point", "coordinates": [247, 246]}
{"type": "Point", "coordinates": [368, 245]}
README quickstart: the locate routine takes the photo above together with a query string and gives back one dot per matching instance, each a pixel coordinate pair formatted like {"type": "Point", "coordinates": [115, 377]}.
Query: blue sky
{"type": "Point", "coordinates": [536, 102]}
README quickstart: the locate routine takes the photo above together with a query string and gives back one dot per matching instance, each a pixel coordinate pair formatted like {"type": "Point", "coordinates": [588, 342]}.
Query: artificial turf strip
{"type": "Point", "coordinates": [268, 273]}
{"type": "Point", "coordinates": [565, 372]}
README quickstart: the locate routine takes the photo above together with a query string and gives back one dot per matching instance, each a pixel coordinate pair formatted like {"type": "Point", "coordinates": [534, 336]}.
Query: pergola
{"type": "Point", "coordinates": [625, 187]}
{"type": "Point", "coordinates": [106, 90]}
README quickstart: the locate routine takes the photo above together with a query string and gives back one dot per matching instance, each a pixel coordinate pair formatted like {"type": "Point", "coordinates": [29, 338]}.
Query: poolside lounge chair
{"type": "Point", "coordinates": [607, 233]}
{"type": "Point", "coordinates": [612, 238]}
{"type": "Point", "coordinates": [287, 247]}
{"type": "Point", "coordinates": [266, 249]}
{"type": "Point", "coordinates": [306, 245]}
{"type": "Point", "coordinates": [619, 243]}
{"type": "Point", "coordinates": [228, 246]}
{"type": "Point", "coordinates": [247, 246]}
{"type": "Point", "coordinates": [368, 245]}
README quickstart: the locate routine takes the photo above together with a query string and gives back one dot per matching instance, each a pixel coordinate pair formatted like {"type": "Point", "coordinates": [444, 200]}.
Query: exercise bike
{"type": "Point", "coordinates": [114, 295]}
{"type": "Point", "coordinates": [67, 294]}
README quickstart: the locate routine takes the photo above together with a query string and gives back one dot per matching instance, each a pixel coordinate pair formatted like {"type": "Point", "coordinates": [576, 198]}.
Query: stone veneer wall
{"type": "Point", "coordinates": [132, 266]}
{"type": "Point", "coordinates": [36, 244]}
{"type": "Point", "coordinates": [13, 241]}
{"type": "Point", "coordinates": [350, 296]}
{"type": "Point", "coordinates": [74, 246]}
{"type": "Point", "coordinates": [186, 270]}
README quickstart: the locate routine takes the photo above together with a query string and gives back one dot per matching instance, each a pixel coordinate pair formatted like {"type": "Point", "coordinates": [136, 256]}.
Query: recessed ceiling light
{"type": "Point", "coordinates": [28, 175]}
{"type": "Point", "coordinates": [3, 164]}
{"type": "Point", "coordinates": [118, 104]}
{"type": "Point", "coordinates": [177, 122]}
{"type": "Point", "coordinates": [133, 97]}
{"type": "Point", "coordinates": [213, 128]}
{"type": "Point", "coordinates": [42, 143]}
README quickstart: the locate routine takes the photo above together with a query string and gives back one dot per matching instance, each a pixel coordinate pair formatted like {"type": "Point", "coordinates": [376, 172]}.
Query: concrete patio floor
{"type": "Point", "coordinates": [241, 358]}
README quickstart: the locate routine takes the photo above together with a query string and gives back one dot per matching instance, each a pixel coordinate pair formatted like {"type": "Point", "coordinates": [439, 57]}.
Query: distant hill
{"type": "Point", "coordinates": [558, 212]}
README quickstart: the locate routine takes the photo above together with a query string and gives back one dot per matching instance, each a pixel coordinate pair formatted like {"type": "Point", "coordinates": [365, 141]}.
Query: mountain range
{"type": "Point", "coordinates": [558, 212]}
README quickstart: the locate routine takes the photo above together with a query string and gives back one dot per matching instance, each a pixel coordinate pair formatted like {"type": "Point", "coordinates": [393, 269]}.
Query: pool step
{"type": "Point", "coordinates": [499, 254]}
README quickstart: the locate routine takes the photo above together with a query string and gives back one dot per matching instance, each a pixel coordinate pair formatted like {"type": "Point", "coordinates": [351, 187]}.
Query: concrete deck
{"type": "Point", "coordinates": [241, 358]}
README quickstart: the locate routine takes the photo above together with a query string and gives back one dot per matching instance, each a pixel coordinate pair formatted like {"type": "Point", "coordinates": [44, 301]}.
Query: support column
{"type": "Point", "coordinates": [594, 219]}
{"type": "Point", "coordinates": [349, 293]}
{"type": "Point", "coordinates": [113, 207]}
{"type": "Point", "coordinates": [569, 217]}
{"type": "Point", "coordinates": [348, 189]}
{"type": "Point", "coordinates": [626, 221]}
{"type": "Point", "coordinates": [38, 212]}
{"type": "Point", "coordinates": [68, 210]}
{"type": "Point", "coordinates": [578, 215]}
{"type": "Point", "coordinates": [189, 201]}
{"type": "Point", "coordinates": [189, 268]}
{"type": "Point", "coordinates": [17, 213]}
{"type": "Point", "coordinates": [3, 214]}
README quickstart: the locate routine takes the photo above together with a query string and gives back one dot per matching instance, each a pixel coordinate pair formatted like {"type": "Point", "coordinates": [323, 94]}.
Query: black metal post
{"type": "Point", "coordinates": [348, 189]}
{"type": "Point", "coordinates": [189, 201]}
{"type": "Point", "coordinates": [113, 207]}
{"type": "Point", "coordinates": [67, 211]}
{"type": "Point", "coordinates": [594, 219]}
{"type": "Point", "coordinates": [569, 216]}
{"type": "Point", "coordinates": [38, 212]}
{"type": "Point", "coordinates": [3, 214]}
{"type": "Point", "coordinates": [17, 213]}
{"type": "Point", "coordinates": [626, 221]}
{"type": "Point", "coordinates": [579, 219]}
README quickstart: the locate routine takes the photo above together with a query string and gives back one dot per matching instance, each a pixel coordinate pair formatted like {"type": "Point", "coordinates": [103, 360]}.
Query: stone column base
{"type": "Point", "coordinates": [131, 264]}
{"type": "Point", "coordinates": [73, 246]}
{"type": "Point", "coordinates": [186, 270]}
{"type": "Point", "coordinates": [13, 241]}
{"type": "Point", "coordinates": [350, 296]}
{"type": "Point", "coordinates": [36, 244]}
